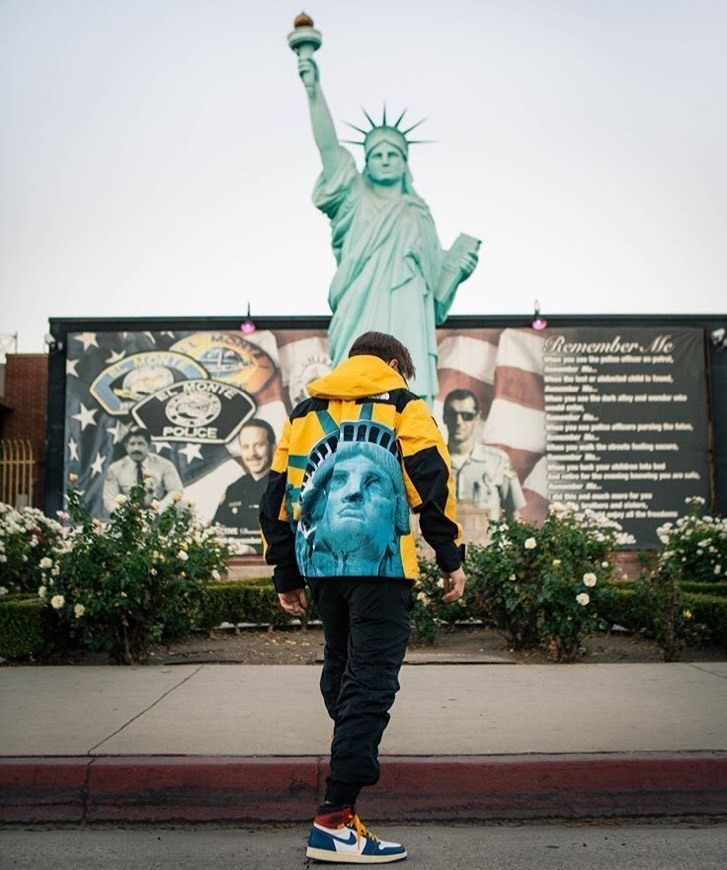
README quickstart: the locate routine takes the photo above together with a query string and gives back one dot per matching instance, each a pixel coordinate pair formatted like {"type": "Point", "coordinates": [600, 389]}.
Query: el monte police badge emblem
{"type": "Point", "coordinates": [230, 358]}
{"type": "Point", "coordinates": [196, 411]}
{"type": "Point", "coordinates": [120, 386]}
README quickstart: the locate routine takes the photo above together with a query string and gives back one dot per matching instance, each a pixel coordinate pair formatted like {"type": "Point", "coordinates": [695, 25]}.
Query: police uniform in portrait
{"type": "Point", "coordinates": [238, 510]}
{"type": "Point", "coordinates": [487, 478]}
{"type": "Point", "coordinates": [241, 505]}
{"type": "Point", "coordinates": [483, 474]}
{"type": "Point", "coordinates": [158, 475]}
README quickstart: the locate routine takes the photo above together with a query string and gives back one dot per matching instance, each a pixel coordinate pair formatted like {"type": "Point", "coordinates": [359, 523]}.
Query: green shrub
{"type": "Point", "coordinates": [239, 601]}
{"type": "Point", "coordinates": [541, 586]}
{"type": "Point", "coordinates": [22, 627]}
{"type": "Point", "coordinates": [705, 619]}
{"type": "Point", "coordinates": [697, 619]}
{"type": "Point", "coordinates": [429, 610]}
{"type": "Point", "coordinates": [695, 547]}
{"type": "Point", "coordinates": [28, 539]}
{"type": "Point", "coordinates": [663, 597]}
{"type": "Point", "coordinates": [120, 586]}
{"type": "Point", "coordinates": [623, 603]}
{"type": "Point", "coordinates": [718, 590]}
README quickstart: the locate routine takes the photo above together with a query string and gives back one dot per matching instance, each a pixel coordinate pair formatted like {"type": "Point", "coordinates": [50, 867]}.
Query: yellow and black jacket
{"type": "Point", "coordinates": [352, 462]}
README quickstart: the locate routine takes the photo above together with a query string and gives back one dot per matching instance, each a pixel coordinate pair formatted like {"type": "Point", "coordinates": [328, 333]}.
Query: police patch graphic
{"type": "Point", "coordinates": [196, 411]}
{"type": "Point", "coordinates": [229, 357]}
{"type": "Point", "coordinates": [120, 386]}
{"type": "Point", "coordinates": [314, 367]}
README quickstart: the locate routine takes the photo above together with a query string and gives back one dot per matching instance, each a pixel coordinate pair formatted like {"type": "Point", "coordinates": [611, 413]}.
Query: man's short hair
{"type": "Point", "coordinates": [137, 432]}
{"type": "Point", "coordinates": [459, 396]}
{"type": "Point", "coordinates": [385, 347]}
{"type": "Point", "coordinates": [258, 423]}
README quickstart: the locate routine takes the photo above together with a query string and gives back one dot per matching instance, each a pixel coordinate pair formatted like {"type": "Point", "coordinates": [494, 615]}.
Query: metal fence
{"type": "Point", "coordinates": [17, 472]}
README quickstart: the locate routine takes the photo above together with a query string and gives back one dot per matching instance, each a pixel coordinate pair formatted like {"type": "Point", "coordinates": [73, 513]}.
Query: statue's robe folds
{"type": "Point", "coordinates": [389, 265]}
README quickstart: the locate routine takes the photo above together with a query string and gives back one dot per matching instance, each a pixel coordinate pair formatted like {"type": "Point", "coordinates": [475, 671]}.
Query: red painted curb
{"type": "Point", "coordinates": [42, 789]}
{"type": "Point", "coordinates": [441, 788]}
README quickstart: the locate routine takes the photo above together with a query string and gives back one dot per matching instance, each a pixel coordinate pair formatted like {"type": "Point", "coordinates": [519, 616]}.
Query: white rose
{"type": "Point", "coordinates": [583, 598]}
{"type": "Point", "coordinates": [57, 601]}
{"type": "Point", "coordinates": [215, 575]}
{"type": "Point", "coordinates": [42, 591]}
{"type": "Point", "coordinates": [78, 611]}
{"type": "Point", "coordinates": [46, 563]}
{"type": "Point", "coordinates": [590, 579]}
{"type": "Point", "coordinates": [120, 499]}
{"type": "Point", "coordinates": [73, 478]}
{"type": "Point", "coordinates": [3, 590]}
{"type": "Point", "coordinates": [556, 563]}
{"type": "Point", "coordinates": [182, 555]}
{"type": "Point", "coordinates": [530, 544]}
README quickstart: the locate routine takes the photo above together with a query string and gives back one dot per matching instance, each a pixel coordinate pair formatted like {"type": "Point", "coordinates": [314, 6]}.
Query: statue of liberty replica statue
{"type": "Point", "coordinates": [392, 276]}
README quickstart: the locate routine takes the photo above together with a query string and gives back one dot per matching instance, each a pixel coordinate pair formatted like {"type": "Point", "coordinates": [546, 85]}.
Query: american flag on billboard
{"type": "Point", "coordinates": [114, 379]}
{"type": "Point", "coordinates": [111, 377]}
{"type": "Point", "coordinates": [504, 369]}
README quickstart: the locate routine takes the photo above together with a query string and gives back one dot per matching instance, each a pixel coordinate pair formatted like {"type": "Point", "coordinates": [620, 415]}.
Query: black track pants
{"type": "Point", "coordinates": [366, 628]}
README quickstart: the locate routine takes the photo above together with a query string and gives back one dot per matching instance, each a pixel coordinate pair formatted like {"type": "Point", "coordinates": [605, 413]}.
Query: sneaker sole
{"type": "Point", "coordinates": [342, 858]}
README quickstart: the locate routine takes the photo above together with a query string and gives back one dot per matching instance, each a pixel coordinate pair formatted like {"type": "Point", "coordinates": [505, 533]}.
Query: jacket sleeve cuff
{"type": "Point", "coordinates": [287, 578]}
{"type": "Point", "coordinates": [451, 559]}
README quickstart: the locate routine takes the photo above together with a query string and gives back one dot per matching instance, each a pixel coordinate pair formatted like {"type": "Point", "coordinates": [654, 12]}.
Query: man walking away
{"type": "Point", "coordinates": [352, 462]}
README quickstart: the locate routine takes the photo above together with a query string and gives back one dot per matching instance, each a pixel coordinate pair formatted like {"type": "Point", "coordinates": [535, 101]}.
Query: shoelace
{"type": "Point", "coordinates": [361, 830]}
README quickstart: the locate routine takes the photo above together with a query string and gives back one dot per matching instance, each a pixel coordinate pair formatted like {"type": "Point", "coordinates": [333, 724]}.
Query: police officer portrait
{"type": "Point", "coordinates": [158, 475]}
{"type": "Point", "coordinates": [482, 473]}
{"type": "Point", "coordinates": [239, 507]}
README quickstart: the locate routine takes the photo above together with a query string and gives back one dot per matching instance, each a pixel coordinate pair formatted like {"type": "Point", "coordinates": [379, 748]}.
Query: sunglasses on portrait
{"type": "Point", "coordinates": [467, 416]}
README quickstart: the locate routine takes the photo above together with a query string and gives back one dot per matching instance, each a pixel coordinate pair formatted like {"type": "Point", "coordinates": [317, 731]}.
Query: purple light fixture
{"type": "Point", "coordinates": [538, 322]}
{"type": "Point", "coordinates": [247, 326]}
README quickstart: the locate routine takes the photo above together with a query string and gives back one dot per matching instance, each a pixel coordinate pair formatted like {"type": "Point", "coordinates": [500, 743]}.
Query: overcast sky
{"type": "Point", "coordinates": [156, 155]}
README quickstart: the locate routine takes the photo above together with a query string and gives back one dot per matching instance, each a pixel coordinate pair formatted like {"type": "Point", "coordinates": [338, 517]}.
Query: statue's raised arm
{"type": "Point", "coordinates": [304, 40]}
{"type": "Point", "coordinates": [324, 131]}
{"type": "Point", "coordinates": [393, 275]}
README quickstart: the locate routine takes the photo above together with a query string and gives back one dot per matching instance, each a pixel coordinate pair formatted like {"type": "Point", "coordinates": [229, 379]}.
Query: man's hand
{"type": "Point", "coordinates": [294, 602]}
{"type": "Point", "coordinates": [453, 586]}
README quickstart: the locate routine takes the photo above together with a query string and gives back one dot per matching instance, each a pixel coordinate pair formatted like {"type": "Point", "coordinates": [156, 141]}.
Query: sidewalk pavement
{"type": "Point", "coordinates": [249, 743]}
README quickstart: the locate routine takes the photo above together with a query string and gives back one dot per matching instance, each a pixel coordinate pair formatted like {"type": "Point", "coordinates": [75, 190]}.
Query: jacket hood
{"type": "Point", "coordinates": [356, 378]}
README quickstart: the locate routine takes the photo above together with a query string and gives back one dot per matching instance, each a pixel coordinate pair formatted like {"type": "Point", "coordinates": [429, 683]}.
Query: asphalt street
{"type": "Point", "coordinates": [658, 846]}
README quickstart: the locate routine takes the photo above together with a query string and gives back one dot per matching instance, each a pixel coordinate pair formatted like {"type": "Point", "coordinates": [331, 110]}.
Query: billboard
{"type": "Point", "coordinates": [209, 404]}
{"type": "Point", "coordinates": [613, 419]}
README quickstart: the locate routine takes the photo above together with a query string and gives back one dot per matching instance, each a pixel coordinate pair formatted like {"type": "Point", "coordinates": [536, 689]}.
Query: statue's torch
{"type": "Point", "coordinates": [304, 40]}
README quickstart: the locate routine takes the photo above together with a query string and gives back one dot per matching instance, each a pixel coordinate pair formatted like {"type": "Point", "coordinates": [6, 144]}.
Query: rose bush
{"type": "Point", "coordinates": [28, 540]}
{"type": "Point", "coordinates": [695, 551]}
{"type": "Point", "coordinates": [539, 586]}
{"type": "Point", "coordinates": [138, 579]}
{"type": "Point", "coordinates": [695, 547]}
{"type": "Point", "coordinates": [429, 611]}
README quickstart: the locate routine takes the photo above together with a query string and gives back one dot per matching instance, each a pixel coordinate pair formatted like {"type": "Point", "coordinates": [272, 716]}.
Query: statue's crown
{"type": "Point", "coordinates": [360, 431]}
{"type": "Point", "coordinates": [385, 132]}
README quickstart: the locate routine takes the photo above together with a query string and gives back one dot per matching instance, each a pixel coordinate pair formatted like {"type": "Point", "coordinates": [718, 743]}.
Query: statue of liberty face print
{"type": "Point", "coordinates": [353, 514]}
